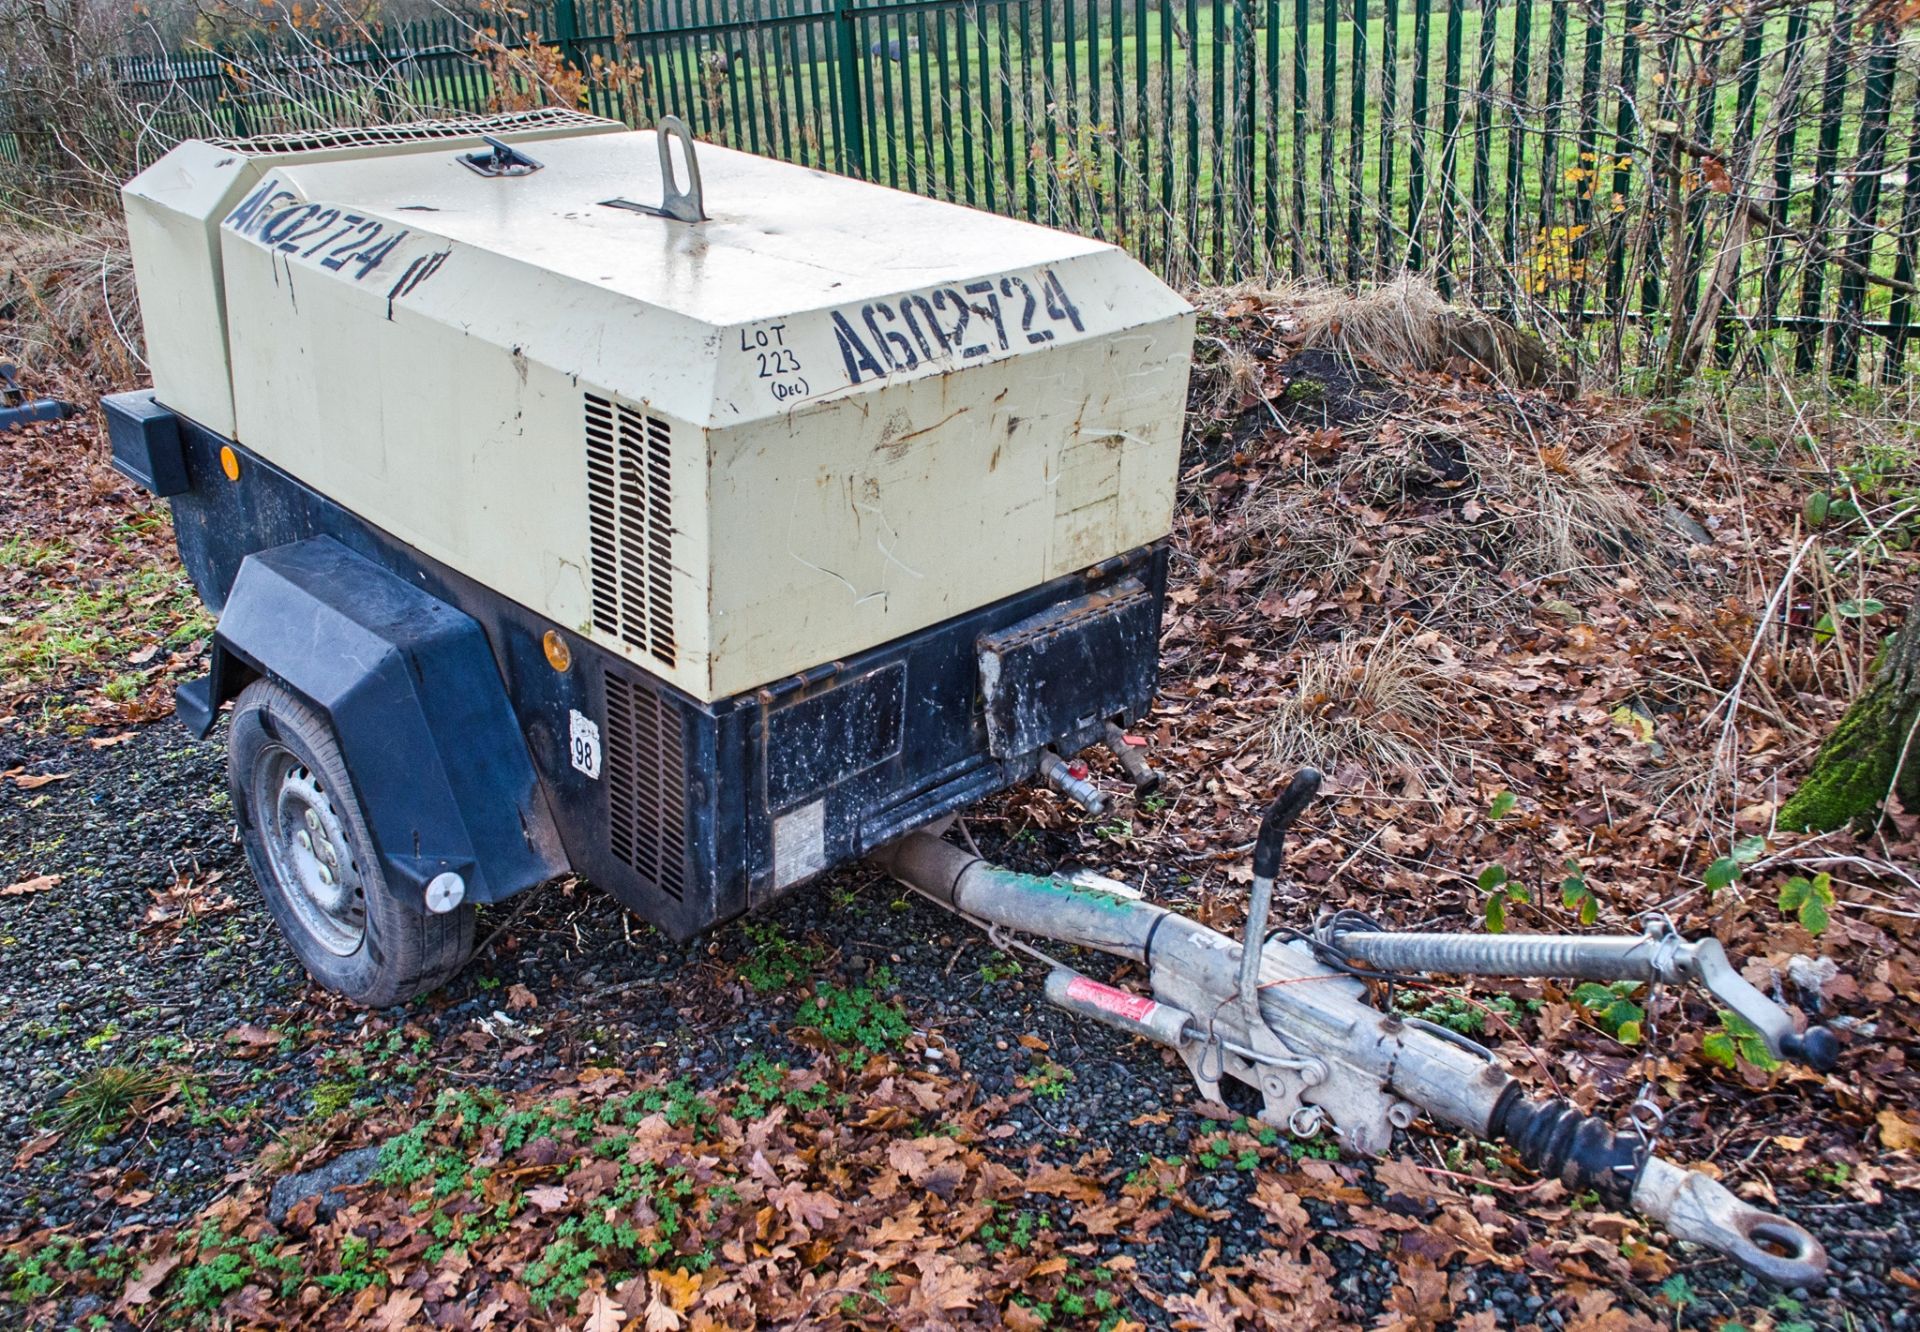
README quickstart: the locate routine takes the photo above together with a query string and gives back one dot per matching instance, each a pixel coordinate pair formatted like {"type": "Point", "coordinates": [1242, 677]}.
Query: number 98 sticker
{"type": "Point", "coordinates": [583, 743]}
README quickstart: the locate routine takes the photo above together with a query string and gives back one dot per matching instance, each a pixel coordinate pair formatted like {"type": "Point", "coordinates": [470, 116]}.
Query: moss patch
{"type": "Point", "coordinates": [1856, 766]}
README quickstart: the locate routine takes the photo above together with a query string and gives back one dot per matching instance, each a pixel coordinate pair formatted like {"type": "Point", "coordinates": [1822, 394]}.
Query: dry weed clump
{"type": "Point", "coordinates": [1557, 512]}
{"type": "Point", "coordinates": [1458, 520]}
{"type": "Point", "coordinates": [1291, 542]}
{"type": "Point", "coordinates": [68, 315]}
{"type": "Point", "coordinates": [1398, 327]}
{"type": "Point", "coordinates": [1375, 704]}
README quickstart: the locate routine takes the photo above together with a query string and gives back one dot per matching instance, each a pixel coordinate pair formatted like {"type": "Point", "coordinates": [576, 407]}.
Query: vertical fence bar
{"type": "Point", "coordinates": [883, 128]}
{"type": "Point", "coordinates": [1746, 106]}
{"type": "Point", "coordinates": [1449, 152]}
{"type": "Point", "coordinates": [1069, 106]}
{"type": "Point", "coordinates": [1300, 136]}
{"type": "Point", "coordinates": [1389, 129]}
{"type": "Point", "coordinates": [1556, 96]}
{"type": "Point", "coordinates": [923, 60]}
{"type": "Point", "coordinates": [1217, 133]}
{"type": "Point", "coordinates": [1517, 137]}
{"type": "Point", "coordinates": [1590, 89]}
{"type": "Point", "coordinates": [1706, 105]}
{"type": "Point", "coordinates": [962, 58]}
{"type": "Point", "coordinates": [1478, 263]}
{"type": "Point", "coordinates": [823, 135]}
{"type": "Point", "coordinates": [1329, 74]}
{"type": "Point", "coordinates": [852, 137]}
{"type": "Point", "coordinates": [1089, 146]}
{"type": "Point", "coordinates": [1832, 104]}
{"type": "Point", "coordinates": [1271, 234]}
{"type": "Point", "coordinates": [1007, 116]}
{"type": "Point", "coordinates": [788, 99]}
{"type": "Point", "coordinates": [740, 66]}
{"type": "Point", "coordinates": [1116, 134]}
{"type": "Point", "coordinates": [1057, 102]}
{"type": "Point", "coordinates": [940, 19]}
{"type": "Point", "coordinates": [1869, 156]}
{"type": "Point", "coordinates": [1907, 251]}
{"type": "Point", "coordinates": [1142, 164]}
{"type": "Point", "coordinates": [1026, 106]}
{"type": "Point", "coordinates": [1357, 139]}
{"type": "Point", "coordinates": [1417, 165]}
{"type": "Point", "coordinates": [1657, 185]}
{"type": "Point", "coordinates": [1245, 116]}
{"type": "Point", "coordinates": [1625, 131]}
{"type": "Point", "coordinates": [1191, 215]}
{"type": "Point", "coordinates": [693, 105]}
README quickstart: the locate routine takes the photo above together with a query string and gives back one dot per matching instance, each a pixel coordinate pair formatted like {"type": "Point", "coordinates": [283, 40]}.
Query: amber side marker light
{"type": "Point", "coordinates": [229, 462]}
{"type": "Point", "coordinates": [559, 655]}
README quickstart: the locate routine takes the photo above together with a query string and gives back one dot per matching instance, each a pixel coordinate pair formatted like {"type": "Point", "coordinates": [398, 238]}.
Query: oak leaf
{"type": "Point", "coordinates": [1407, 1179]}
{"type": "Point", "coordinates": [548, 1197]}
{"type": "Point", "coordinates": [945, 1285]}
{"type": "Point", "coordinates": [146, 1281]}
{"type": "Point", "coordinates": [681, 1288]}
{"type": "Point", "coordinates": [397, 1313]}
{"type": "Point", "coordinates": [1203, 1311]}
{"type": "Point", "coordinates": [660, 1317]}
{"type": "Point", "coordinates": [1897, 1134]}
{"type": "Point", "coordinates": [1061, 1182]}
{"type": "Point", "coordinates": [902, 1227]}
{"type": "Point", "coordinates": [807, 1208]}
{"type": "Point", "coordinates": [603, 1314]}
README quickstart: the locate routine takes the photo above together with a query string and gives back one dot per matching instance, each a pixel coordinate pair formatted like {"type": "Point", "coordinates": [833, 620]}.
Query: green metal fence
{"type": "Point", "coordinates": [1657, 169]}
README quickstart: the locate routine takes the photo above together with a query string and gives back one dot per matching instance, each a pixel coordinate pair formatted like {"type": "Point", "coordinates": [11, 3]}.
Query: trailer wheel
{"type": "Point", "coordinates": [306, 838]}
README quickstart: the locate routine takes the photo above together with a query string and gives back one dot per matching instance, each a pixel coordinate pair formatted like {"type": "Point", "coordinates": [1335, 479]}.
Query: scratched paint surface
{"type": "Point", "coordinates": [884, 410]}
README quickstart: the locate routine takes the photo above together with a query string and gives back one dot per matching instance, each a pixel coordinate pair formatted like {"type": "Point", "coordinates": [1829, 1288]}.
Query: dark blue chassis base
{"type": "Point", "coordinates": [680, 823]}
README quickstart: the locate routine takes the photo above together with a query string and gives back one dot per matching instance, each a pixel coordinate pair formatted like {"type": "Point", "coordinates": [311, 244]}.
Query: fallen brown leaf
{"type": "Point", "coordinates": [252, 1038]}
{"type": "Point", "coordinates": [33, 781]}
{"type": "Point", "coordinates": [142, 1285]}
{"type": "Point", "coordinates": [39, 883]}
{"type": "Point", "coordinates": [35, 1147]}
{"type": "Point", "coordinates": [1897, 1134]}
{"type": "Point", "coordinates": [548, 1197]}
{"type": "Point", "coordinates": [603, 1313]}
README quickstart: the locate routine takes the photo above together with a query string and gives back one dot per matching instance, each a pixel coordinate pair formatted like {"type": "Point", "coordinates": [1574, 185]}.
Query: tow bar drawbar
{"type": "Point", "coordinates": [1287, 1015]}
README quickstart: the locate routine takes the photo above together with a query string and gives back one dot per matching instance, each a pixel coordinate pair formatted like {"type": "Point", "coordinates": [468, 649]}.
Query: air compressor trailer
{"type": "Point", "coordinates": [557, 519]}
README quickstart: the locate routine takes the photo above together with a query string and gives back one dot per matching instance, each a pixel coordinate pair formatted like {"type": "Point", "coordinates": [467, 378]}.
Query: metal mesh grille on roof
{"type": "Point", "coordinates": [366, 136]}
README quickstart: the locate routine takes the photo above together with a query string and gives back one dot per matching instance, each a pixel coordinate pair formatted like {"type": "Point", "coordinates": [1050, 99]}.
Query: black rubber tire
{"type": "Point", "coordinates": [404, 951]}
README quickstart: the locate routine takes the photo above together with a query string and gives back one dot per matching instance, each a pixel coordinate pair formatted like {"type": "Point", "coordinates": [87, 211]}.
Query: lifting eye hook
{"type": "Point", "coordinates": [676, 204]}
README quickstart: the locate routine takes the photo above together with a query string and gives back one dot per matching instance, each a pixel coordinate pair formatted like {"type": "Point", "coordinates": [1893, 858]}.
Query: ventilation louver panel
{"type": "Point", "coordinates": [646, 795]}
{"type": "Point", "coordinates": [630, 524]}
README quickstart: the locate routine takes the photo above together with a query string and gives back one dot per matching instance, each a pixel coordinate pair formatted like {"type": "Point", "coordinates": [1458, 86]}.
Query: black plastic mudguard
{"type": "Point", "coordinates": [410, 687]}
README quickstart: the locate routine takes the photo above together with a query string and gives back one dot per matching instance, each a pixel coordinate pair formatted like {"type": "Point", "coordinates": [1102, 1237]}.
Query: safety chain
{"type": "Point", "coordinates": [1644, 1115]}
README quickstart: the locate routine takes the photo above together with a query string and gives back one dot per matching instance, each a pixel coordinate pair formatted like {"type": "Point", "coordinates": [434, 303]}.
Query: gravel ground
{"type": "Point", "coordinates": [117, 964]}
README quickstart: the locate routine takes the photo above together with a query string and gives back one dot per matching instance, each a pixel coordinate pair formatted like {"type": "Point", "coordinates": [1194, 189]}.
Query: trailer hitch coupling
{"type": "Point", "coordinates": [1286, 1013]}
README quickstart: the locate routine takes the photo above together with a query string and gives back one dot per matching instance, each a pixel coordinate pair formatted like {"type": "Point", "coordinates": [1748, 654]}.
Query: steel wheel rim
{"type": "Point", "coordinates": [312, 860]}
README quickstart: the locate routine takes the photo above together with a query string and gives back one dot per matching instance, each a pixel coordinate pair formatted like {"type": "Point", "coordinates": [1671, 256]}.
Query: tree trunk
{"type": "Point", "coordinates": [1858, 766]}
